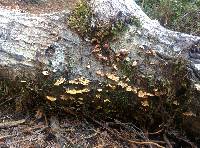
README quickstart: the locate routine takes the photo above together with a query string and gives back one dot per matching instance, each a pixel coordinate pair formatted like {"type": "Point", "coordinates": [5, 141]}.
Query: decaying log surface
{"type": "Point", "coordinates": [26, 39]}
{"type": "Point", "coordinates": [45, 42]}
{"type": "Point", "coordinates": [152, 34]}
{"type": "Point", "coordinates": [29, 41]}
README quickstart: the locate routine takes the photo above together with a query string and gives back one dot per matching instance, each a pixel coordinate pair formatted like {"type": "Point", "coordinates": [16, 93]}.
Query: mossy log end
{"type": "Point", "coordinates": [46, 54]}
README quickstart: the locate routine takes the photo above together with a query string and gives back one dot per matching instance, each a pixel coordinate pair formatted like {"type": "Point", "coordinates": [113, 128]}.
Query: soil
{"type": "Point", "coordinates": [39, 6]}
{"type": "Point", "coordinates": [35, 130]}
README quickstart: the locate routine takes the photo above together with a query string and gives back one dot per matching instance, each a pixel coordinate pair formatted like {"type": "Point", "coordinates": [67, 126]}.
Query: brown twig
{"type": "Point", "coordinates": [167, 141]}
{"type": "Point", "coordinates": [161, 142]}
{"type": "Point", "coordinates": [7, 100]}
{"type": "Point", "coordinates": [68, 140]}
{"type": "Point", "coordinates": [27, 139]}
{"type": "Point", "coordinates": [157, 132]}
{"type": "Point", "coordinates": [41, 129]}
{"type": "Point", "coordinates": [136, 130]}
{"type": "Point", "coordinates": [186, 141]}
{"type": "Point", "coordinates": [11, 123]}
{"type": "Point", "coordinates": [120, 137]}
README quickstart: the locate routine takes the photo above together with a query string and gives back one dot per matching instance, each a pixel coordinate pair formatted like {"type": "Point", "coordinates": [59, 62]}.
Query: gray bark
{"type": "Point", "coordinates": [26, 39]}
{"type": "Point", "coordinates": [27, 42]}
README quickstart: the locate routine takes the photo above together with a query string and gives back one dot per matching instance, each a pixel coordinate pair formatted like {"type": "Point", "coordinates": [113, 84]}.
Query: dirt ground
{"type": "Point", "coordinates": [39, 6]}
{"type": "Point", "coordinates": [36, 130]}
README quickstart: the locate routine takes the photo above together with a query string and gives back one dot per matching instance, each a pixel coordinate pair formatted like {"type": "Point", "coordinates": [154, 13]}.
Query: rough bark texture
{"type": "Point", "coordinates": [26, 39]}
{"type": "Point", "coordinates": [30, 42]}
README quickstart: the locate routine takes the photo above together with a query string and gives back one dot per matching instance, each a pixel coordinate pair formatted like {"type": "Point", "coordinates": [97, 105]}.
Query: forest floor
{"type": "Point", "coordinates": [36, 129]}
{"type": "Point", "coordinates": [37, 6]}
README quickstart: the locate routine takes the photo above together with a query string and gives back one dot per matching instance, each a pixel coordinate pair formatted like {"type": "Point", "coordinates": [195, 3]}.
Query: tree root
{"type": "Point", "coordinates": [121, 138]}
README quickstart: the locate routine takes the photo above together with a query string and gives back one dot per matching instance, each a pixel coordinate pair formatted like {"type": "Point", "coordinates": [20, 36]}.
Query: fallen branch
{"type": "Point", "coordinates": [11, 123]}
{"type": "Point", "coordinates": [185, 140]}
{"type": "Point", "coordinates": [7, 100]}
{"type": "Point", "coordinates": [154, 133]}
{"type": "Point", "coordinates": [167, 141]}
{"type": "Point", "coordinates": [121, 138]}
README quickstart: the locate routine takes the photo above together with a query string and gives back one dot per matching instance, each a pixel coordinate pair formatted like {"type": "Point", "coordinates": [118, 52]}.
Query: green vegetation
{"type": "Point", "coordinates": [180, 15]}
{"type": "Point", "coordinates": [85, 23]}
{"type": "Point", "coordinates": [80, 19]}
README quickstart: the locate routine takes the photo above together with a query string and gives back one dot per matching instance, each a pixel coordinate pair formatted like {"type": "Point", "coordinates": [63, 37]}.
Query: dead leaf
{"type": "Point", "coordinates": [135, 90]}
{"type": "Point", "coordinates": [127, 59]}
{"type": "Point", "coordinates": [64, 97]}
{"type": "Point", "coordinates": [127, 80]}
{"type": "Point", "coordinates": [143, 94]}
{"type": "Point", "coordinates": [88, 66]}
{"type": "Point", "coordinates": [175, 102]}
{"type": "Point", "coordinates": [129, 88]}
{"type": "Point", "coordinates": [99, 90]}
{"type": "Point", "coordinates": [111, 86]}
{"type": "Point", "coordinates": [98, 107]}
{"type": "Point", "coordinates": [80, 99]}
{"type": "Point", "coordinates": [98, 96]}
{"type": "Point", "coordinates": [122, 84]}
{"type": "Point", "coordinates": [149, 94]}
{"type": "Point", "coordinates": [115, 67]}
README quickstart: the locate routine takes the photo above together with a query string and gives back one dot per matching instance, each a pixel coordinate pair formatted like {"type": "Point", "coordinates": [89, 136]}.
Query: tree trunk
{"type": "Point", "coordinates": [26, 39]}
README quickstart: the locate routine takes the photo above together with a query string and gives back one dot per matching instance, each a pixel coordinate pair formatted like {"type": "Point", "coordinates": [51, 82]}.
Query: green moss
{"type": "Point", "coordinates": [82, 18]}
{"type": "Point", "coordinates": [135, 21]}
